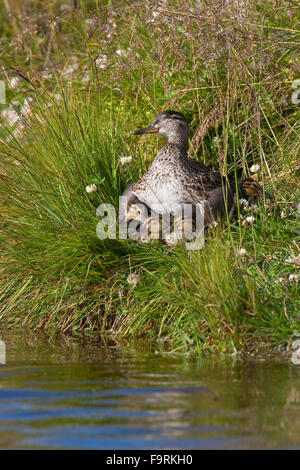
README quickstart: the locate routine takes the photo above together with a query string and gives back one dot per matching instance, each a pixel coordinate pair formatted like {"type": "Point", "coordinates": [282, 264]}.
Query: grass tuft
{"type": "Point", "coordinates": [66, 125]}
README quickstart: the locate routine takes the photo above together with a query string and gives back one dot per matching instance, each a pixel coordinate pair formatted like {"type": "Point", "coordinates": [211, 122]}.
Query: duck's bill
{"type": "Point", "coordinates": [146, 130]}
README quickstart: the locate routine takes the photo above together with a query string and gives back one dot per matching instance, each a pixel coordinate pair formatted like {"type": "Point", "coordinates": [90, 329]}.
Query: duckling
{"type": "Point", "coordinates": [253, 191]}
{"type": "Point", "coordinates": [174, 180]}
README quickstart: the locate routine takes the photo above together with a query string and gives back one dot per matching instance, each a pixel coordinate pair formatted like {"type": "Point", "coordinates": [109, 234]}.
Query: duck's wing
{"type": "Point", "coordinates": [203, 178]}
{"type": "Point", "coordinates": [219, 203]}
{"type": "Point", "coordinates": [209, 188]}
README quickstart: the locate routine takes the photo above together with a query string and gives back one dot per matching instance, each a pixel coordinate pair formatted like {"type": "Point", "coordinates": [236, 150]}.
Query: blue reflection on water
{"type": "Point", "coordinates": [82, 397]}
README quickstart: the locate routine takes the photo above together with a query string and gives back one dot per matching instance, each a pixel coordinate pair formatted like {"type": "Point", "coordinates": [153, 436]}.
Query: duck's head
{"type": "Point", "coordinates": [253, 191]}
{"type": "Point", "coordinates": [170, 124]}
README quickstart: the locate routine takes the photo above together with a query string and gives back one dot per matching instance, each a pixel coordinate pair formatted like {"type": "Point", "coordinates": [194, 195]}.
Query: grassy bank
{"type": "Point", "coordinates": [80, 76]}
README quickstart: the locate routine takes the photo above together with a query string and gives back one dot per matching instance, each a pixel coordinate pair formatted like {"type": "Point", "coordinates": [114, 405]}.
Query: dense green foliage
{"type": "Point", "coordinates": [80, 76]}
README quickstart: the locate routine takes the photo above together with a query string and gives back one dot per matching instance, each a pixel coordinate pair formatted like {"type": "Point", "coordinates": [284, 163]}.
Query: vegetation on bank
{"type": "Point", "coordinates": [79, 77]}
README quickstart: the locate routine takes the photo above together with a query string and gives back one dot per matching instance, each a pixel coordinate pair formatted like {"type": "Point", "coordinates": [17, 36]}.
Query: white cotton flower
{"type": "Point", "coordinates": [91, 188]}
{"type": "Point", "coordinates": [133, 279]}
{"type": "Point", "coordinates": [243, 202]}
{"type": "Point", "coordinates": [242, 252]}
{"type": "Point", "coordinates": [124, 160]}
{"type": "Point", "coordinates": [294, 278]}
{"type": "Point", "coordinates": [250, 219]}
{"type": "Point", "coordinates": [255, 168]}
{"type": "Point", "coordinates": [213, 224]}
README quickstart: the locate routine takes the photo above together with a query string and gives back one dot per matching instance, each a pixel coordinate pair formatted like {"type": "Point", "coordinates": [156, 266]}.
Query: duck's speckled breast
{"type": "Point", "coordinates": [163, 185]}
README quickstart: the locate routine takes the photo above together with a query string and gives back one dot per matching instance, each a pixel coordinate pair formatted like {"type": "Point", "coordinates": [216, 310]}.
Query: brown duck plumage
{"type": "Point", "coordinates": [173, 179]}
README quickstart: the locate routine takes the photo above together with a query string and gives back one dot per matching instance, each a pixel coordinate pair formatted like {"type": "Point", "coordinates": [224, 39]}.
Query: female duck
{"type": "Point", "coordinates": [174, 180]}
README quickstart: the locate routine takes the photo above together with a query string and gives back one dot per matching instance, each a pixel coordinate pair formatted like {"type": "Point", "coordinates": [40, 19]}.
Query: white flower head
{"type": "Point", "coordinates": [294, 278]}
{"type": "Point", "coordinates": [242, 252]}
{"type": "Point", "coordinates": [213, 224]}
{"type": "Point", "coordinates": [133, 279]}
{"type": "Point", "coordinates": [91, 188]}
{"type": "Point", "coordinates": [243, 202]}
{"type": "Point", "coordinates": [250, 219]}
{"type": "Point", "coordinates": [124, 160]}
{"type": "Point", "coordinates": [296, 84]}
{"type": "Point", "coordinates": [255, 168]}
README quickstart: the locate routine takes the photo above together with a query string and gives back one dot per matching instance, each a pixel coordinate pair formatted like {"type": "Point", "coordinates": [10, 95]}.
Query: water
{"type": "Point", "coordinates": [68, 394]}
